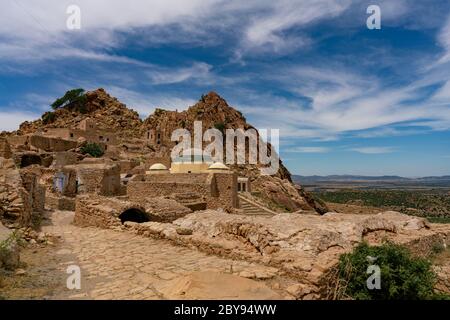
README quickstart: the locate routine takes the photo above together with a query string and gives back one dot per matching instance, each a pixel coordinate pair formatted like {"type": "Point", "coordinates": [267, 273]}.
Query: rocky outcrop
{"type": "Point", "coordinates": [305, 247]}
{"type": "Point", "coordinates": [108, 112]}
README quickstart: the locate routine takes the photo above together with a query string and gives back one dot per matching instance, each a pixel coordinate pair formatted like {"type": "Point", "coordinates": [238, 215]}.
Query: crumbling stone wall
{"type": "Point", "coordinates": [65, 158]}
{"type": "Point", "coordinates": [101, 179]}
{"type": "Point", "coordinates": [21, 196]}
{"type": "Point", "coordinates": [5, 149]}
{"type": "Point", "coordinates": [92, 211]}
{"type": "Point", "coordinates": [36, 191]}
{"type": "Point", "coordinates": [52, 144]}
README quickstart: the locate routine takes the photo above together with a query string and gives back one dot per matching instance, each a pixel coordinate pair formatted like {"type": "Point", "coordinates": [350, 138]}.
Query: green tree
{"type": "Point", "coordinates": [92, 149]}
{"type": "Point", "coordinates": [75, 98]}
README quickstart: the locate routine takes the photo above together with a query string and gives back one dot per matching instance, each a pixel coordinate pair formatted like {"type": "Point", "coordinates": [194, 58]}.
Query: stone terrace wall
{"type": "Point", "coordinates": [52, 144]}
{"type": "Point", "coordinates": [16, 202]}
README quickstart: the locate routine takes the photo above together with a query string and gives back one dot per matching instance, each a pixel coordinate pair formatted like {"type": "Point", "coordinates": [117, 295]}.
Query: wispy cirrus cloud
{"type": "Point", "coordinates": [308, 149]}
{"type": "Point", "coordinates": [373, 150]}
{"type": "Point", "coordinates": [198, 70]}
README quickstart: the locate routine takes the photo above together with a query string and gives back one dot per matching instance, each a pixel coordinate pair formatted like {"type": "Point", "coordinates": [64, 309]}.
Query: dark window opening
{"type": "Point", "coordinates": [134, 215]}
{"type": "Point", "coordinates": [244, 187]}
{"type": "Point", "coordinates": [28, 160]}
{"type": "Point", "coordinates": [71, 135]}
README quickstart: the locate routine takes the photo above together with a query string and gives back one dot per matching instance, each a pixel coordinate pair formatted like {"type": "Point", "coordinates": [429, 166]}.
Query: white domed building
{"type": "Point", "coordinates": [157, 168]}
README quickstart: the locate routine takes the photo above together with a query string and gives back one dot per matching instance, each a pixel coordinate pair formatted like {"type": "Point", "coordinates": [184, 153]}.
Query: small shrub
{"type": "Point", "coordinates": [220, 126]}
{"type": "Point", "coordinates": [92, 149]}
{"type": "Point", "coordinates": [48, 117]}
{"type": "Point", "coordinates": [402, 275]}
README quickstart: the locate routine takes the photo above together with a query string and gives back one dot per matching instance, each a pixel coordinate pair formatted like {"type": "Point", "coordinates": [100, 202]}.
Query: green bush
{"type": "Point", "coordinates": [220, 126]}
{"type": "Point", "coordinates": [48, 117]}
{"type": "Point", "coordinates": [402, 275]}
{"type": "Point", "coordinates": [75, 98]}
{"type": "Point", "coordinates": [92, 149]}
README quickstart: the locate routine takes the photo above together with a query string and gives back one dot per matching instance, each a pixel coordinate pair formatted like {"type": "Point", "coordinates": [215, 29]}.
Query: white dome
{"type": "Point", "coordinates": [218, 166]}
{"type": "Point", "coordinates": [157, 166]}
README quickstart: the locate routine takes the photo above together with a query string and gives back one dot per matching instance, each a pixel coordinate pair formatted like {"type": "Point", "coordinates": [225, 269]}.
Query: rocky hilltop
{"type": "Point", "coordinates": [276, 192]}
{"type": "Point", "coordinates": [108, 112]}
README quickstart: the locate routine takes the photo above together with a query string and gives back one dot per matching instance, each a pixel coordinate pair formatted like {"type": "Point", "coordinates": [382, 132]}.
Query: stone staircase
{"type": "Point", "coordinates": [252, 209]}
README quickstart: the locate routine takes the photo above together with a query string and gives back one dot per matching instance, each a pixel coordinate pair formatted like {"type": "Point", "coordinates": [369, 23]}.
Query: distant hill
{"type": "Point", "coordinates": [314, 179]}
{"type": "Point", "coordinates": [349, 181]}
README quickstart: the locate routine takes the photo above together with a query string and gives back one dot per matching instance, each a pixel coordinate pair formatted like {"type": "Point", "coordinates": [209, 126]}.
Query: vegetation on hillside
{"type": "Point", "coordinates": [75, 99]}
{"type": "Point", "coordinates": [92, 149]}
{"type": "Point", "coordinates": [402, 276]}
{"type": "Point", "coordinates": [421, 203]}
{"type": "Point", "coordinates": [48, 117]}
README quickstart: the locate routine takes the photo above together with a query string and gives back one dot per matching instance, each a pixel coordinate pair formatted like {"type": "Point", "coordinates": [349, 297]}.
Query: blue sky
{"type": "Point", "coordinates": [347, 100]}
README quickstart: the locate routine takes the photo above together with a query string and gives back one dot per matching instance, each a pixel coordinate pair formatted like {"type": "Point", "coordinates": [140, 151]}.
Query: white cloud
{"type": "Point", "coordinates": [198, 70]}
{"type": "Point", "coordinates": [373, 150]}
{"type": "Point", "coordinates": [28, 25]}
{"type": "Point", "coordinates": [285, 14]}
{"type": "Point", "coordinates": [10, 120]}
{"type": "Point", "coordinates": [444, 40]}
{"type": "Point", "coordinates": [308, 149]}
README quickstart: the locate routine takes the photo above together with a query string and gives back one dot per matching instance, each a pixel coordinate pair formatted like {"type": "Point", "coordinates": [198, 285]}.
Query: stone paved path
{"type": "Point", "coordinates": [122, 265]}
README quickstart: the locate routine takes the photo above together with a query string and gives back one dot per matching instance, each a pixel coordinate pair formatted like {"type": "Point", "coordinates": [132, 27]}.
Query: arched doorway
{"type": "Point", "coordinates": [133, 215]}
